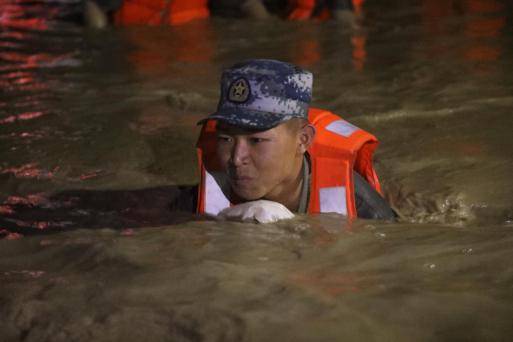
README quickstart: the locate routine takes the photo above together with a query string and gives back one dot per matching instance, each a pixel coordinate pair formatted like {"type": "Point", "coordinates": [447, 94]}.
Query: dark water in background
{"type": "Point", "coordinates": [97, 126]}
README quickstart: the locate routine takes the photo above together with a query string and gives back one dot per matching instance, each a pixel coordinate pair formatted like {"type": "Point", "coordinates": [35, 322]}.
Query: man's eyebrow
{"type": "Point", "coordinates": [228, 131]}
{"type": "Point", "coordinates": [222, 128]}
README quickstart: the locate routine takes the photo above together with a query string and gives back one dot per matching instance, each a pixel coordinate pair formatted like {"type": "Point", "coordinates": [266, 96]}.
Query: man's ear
{"type": "Point", "coordinates": [306, 137]}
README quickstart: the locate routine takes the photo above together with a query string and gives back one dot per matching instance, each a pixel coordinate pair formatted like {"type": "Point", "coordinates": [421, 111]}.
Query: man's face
{"type": "Point", "coordinates": [259, 164]}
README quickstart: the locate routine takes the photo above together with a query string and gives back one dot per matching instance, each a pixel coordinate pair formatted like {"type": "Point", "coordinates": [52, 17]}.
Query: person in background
{"type": "Point", "coordinates": [254, 9]}
{"type": "Point", "coordinates": [340, 10]}
{"type": "Point", "coordinates": [99, 13]}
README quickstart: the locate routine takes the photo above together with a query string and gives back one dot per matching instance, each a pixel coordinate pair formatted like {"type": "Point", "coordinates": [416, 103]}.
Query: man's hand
{"type": "Point", "coordinates": [261, 211]}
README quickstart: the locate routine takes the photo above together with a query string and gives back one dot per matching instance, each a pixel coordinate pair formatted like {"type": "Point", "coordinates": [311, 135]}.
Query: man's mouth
{"type": "Point", "coordinates": [238, 178]}
{"type": "Point", "coordinates": [241, 179]}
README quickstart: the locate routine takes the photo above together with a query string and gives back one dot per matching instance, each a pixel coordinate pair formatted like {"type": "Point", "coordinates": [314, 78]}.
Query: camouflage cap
{"type": "Point", "coordinates": [261, 93]}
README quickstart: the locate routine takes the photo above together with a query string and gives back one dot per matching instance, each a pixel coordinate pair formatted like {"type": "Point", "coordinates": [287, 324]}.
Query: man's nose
{"type": "Point", "coordinates": [239, 152]}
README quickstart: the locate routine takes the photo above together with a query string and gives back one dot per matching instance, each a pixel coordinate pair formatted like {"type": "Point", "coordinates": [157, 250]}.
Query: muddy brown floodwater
{"type": "Point", "coordinates": [98, 127]}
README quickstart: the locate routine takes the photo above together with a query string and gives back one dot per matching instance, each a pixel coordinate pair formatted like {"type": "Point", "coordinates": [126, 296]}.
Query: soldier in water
{"type": "Point", "coordinates": [266, 153]}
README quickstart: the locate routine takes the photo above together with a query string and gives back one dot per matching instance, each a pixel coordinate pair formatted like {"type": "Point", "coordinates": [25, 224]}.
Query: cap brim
{"type": "Point", "coordinates": [249, 119]}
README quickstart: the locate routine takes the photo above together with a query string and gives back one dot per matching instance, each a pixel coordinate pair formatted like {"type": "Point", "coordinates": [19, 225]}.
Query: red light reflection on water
{"type": "Point", "coordinates": [33, 200]}
{"type": "Point", "coordinates": [358, 6]}
{"type": "Point", "coordinates": [15, 79]}
{"type": "Point", "coordinates": [192, 43]}
{"type": "Point", "coordinates": [32, 24]}
{"type": "Point", "coordinates": [308, 52]}
{"type": "Point", "coordinates": [36, 60]}
{"type": "Point", "coordinates": [127, 232]}
{"type": "Point", "coordinates": [29, 200]}
{"type": "Point", "coordinates": [27, 274]}
{"type": "Point", "coordinates": [7, 235]}
{"type": "Point", "coordinates": [14, 35]}
{"type": "Point", "coordinates": [328, 283]}
{"type": "Point", "coordinates": [6, 210]}
{"type": "Point", "coordinates": [13, 16]}
{"type": "Point", "coordinates": [92, 174]}
{"type": "Point", "coordinates": [484, 27]}
{"type": "Point", "coordinates": [40, 225]}
{"type": "Point", "coordinates": [30, 170]}
{"type": "Point", "coordinates": [21, 117]}
{"type": "Point", "coordinates": [482, 53]}
{"type": "Point", "coordinates": [483, 6]}
{"type": "Point", "coordinates": [479, 30]}
{"type": "Point", "coordinates": [359, 41]}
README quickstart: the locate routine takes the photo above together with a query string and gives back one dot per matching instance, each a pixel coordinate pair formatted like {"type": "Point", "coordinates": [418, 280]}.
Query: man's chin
{"type": "Point", "coordinates": [245, 195]}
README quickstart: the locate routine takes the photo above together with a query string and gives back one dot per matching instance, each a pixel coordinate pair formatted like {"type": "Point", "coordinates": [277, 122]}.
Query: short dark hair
{"type": "Point", "coordinates": [295, 124]}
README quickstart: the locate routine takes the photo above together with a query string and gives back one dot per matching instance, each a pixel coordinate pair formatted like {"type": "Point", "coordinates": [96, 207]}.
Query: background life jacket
{"type": "Point", "coordinates": [160, 12]}
{"type": "Point", "coordinates": [301, 9]}
{"type": "Point", "coordinates": [338, 148]}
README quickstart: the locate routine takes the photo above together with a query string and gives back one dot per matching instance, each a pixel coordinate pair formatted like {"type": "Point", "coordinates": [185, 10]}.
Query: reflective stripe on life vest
{"type": "Point", "coordinates": [333, 200]}
{"type": "Point", "coordinates": [338, 148]}
{"type": "Point", "coordinates": [215, 200]}
{"type": "Point", "coordinates": [160, 12]}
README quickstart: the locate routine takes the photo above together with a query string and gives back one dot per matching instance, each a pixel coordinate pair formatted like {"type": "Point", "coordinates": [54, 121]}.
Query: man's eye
{"type": "Point", "coordinates": [224, 138]}
{"type": "Point", "coordinates": [257, 140]}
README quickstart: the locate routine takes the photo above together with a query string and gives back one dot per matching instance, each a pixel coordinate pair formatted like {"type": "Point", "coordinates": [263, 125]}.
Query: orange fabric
{"type": "Point", "coordinates": [358, 6]}
{"type": "Point", "coordinates": [307, 52]}
{"type": "Point", "coordinates": [301, 9]}
{"type": "Point", "coordinates": [333, 158]}
{"type": "Point", "coordinates": [183, 11]}
{"type": "Point", "coordinates": [479, 27]}
{"type": "Point", "coordinates": [324, 15]}
{"type": "Point", "coordinates": [206, 146]}
{"type": "Point", "coordinates": [160, 12]}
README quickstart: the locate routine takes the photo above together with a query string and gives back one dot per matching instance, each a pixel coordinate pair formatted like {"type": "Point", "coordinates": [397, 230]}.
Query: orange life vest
{"type": "Point", "coordinates": [160, 12]}
{"type": "Point", "coordinates": [338, 148]}
{"type": "Point", "coordinates": [301, 9]}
